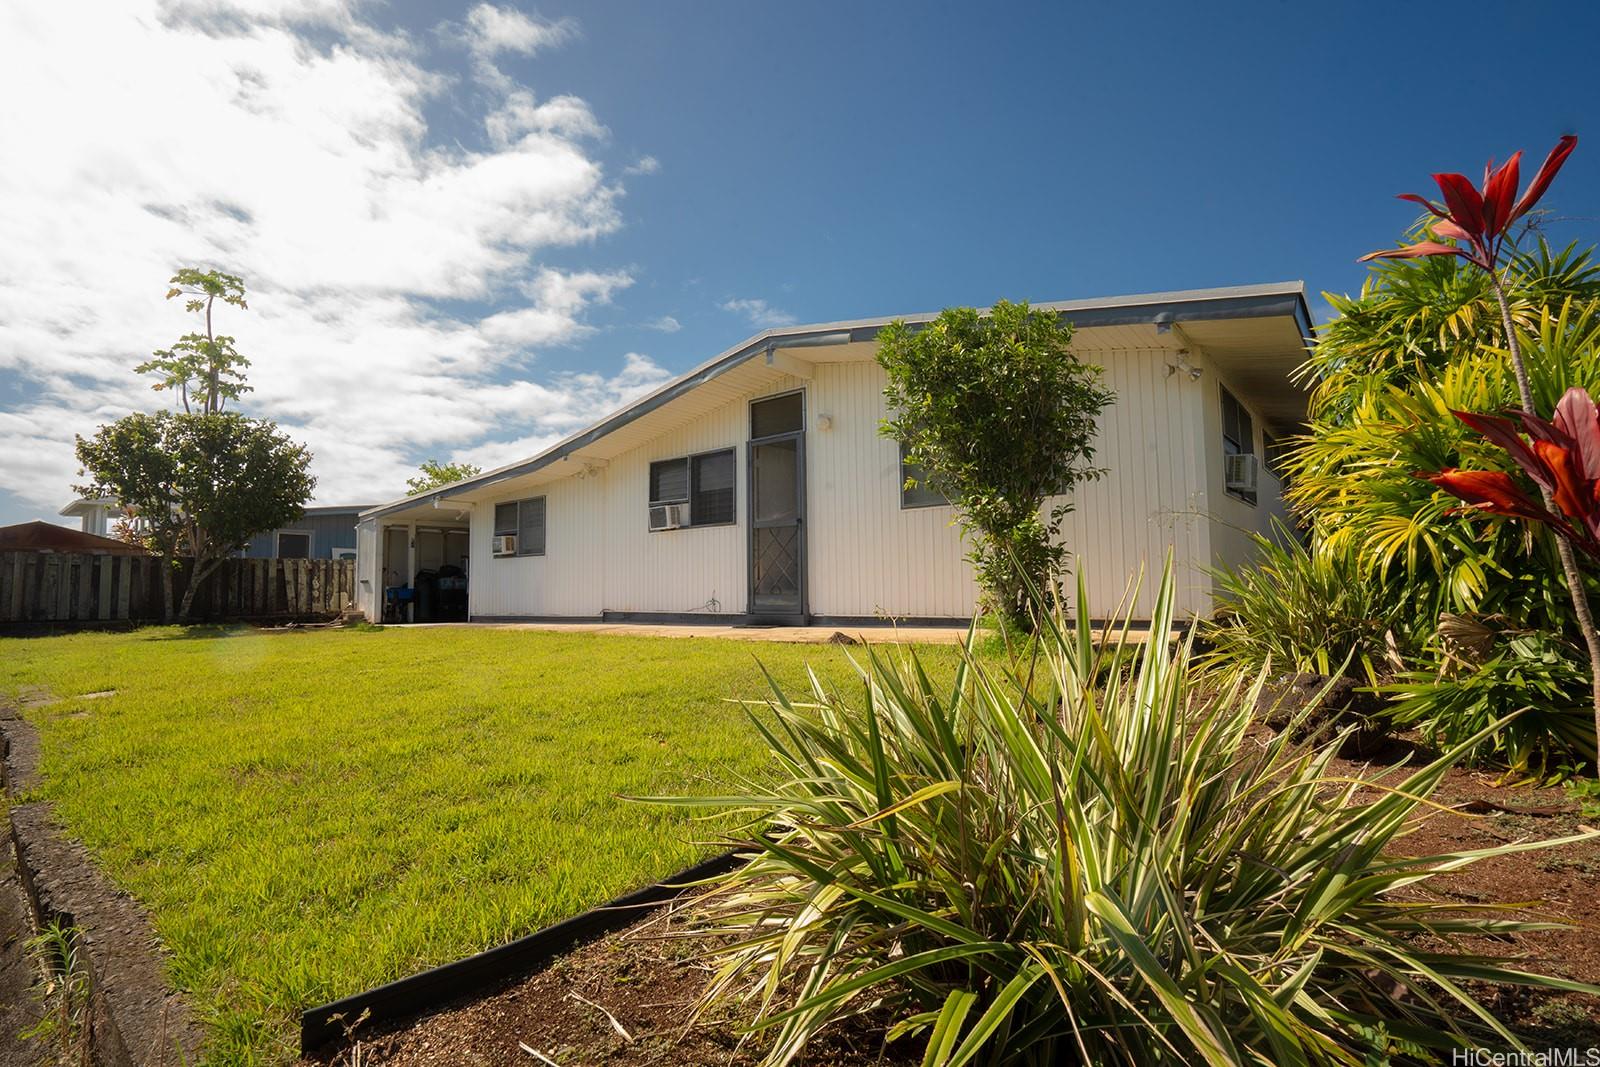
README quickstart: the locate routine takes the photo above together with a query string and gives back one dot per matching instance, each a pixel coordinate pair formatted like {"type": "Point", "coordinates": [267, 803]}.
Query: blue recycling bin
{"type": "Point", "coordinates": [395, 599]}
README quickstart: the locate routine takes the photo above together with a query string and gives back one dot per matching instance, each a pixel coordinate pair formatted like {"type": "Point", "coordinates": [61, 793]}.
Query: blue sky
{"type": "Point", "coordinates": [471, 229]}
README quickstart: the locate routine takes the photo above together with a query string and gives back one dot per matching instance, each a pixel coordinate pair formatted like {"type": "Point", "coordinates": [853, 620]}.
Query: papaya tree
{"type": "Point", "coordinates": [202, 480]}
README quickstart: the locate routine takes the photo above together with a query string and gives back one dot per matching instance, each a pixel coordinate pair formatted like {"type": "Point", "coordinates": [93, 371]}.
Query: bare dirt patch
{"type": "Point", "coordinates": [1559, 884]}
{"type": "Point", "coordinates": [624, 999]}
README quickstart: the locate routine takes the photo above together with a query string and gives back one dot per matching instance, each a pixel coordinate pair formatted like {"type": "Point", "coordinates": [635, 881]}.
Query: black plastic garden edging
{"type": "Point", "coordinates": [413, 995]}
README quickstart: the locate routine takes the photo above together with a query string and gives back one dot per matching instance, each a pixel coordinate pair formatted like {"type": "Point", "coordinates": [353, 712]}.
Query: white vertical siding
{"type": "Point", "coordinates": [369, 585]}
{"type": "Point", "coordinates": [1233, 521]}
{"type": "Point", "coordinates": [1150, 500]}
{"type": "Point", "coordinates": [702, 569]}
{"type": "Point", "coordinates": [1160, 443]}
{"type": "Point", "coordinates": [867, 555]}
{"type": "Point", "coordinates": [566, 580]}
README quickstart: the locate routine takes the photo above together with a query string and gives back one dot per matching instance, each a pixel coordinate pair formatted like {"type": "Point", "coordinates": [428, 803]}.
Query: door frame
{"type": "Point", "coordinates": [802, 549]}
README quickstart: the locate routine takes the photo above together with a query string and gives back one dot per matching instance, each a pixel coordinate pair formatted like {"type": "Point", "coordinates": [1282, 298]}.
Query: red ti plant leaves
{"type": "Point", "coordinates": [1562, 456]}
{"type": "Point", "coordinates": [1547, 173]}
{"type": "Point", "coordinates": [1479, 219]}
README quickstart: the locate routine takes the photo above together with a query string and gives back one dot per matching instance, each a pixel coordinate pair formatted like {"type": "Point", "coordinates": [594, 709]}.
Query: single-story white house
{"type": "Point", "coordinates": [757, 487]}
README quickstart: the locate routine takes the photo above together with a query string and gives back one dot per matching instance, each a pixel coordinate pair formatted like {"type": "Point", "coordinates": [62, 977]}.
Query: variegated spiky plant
{"type": "Point", "coordinates": [1087, 861]}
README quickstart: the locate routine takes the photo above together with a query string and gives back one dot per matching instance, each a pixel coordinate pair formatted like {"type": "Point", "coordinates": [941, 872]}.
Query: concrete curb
{"type": "Point", "coordinates": [138, 1020]}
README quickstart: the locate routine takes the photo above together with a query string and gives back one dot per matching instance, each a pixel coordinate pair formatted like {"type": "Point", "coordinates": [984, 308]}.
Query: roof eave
{"type": "Point", "coordinates": [1240, 301]}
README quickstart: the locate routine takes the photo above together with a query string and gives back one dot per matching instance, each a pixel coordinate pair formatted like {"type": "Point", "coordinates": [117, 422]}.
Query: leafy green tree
{"type": "Point", "coordinates": [1001, 417]}
{"type": "Point", "coordinates": [434, 474]}
{"type": "Point", "coordinates": [204, 368]}
{"type": "Point", "coordinates": [203, 484]}
{"type": "Point", "coordinates": [202, 481]}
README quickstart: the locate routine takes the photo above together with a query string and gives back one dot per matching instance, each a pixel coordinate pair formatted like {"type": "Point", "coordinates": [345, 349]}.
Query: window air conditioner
{"type": "Point", "coordinates": [1239, 472]}
{"type": "Point", "coordinates": [503, 545]}
{"type": "Point", "coordinates": [668, 516]}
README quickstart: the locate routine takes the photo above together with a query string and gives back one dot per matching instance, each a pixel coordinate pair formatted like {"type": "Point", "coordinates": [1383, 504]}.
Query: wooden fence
{"type": "Point", "coordinates": [80, 587]}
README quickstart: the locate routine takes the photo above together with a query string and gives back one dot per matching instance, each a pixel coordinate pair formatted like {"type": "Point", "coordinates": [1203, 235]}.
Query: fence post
{"type": "Point", "coordinates": [11, 605]}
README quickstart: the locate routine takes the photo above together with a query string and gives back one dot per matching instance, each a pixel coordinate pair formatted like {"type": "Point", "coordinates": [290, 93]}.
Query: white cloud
{"type": "Point", "coordinates": [563, 407]}
{"type": "Point", "coordinates": [644, 165]}
{"type": "Point", "coordinates": [522, 116]}
{"type": "Point", "coordinates": [759, 312]}
{"type": "Point", "coordinates": [558, 300]}
{"type": "Point", "coordinates": [396, 282]}
{"type": "Point", "coordinates": [666, 324]}
{"type": "Point", "coordinates": [491, 30]}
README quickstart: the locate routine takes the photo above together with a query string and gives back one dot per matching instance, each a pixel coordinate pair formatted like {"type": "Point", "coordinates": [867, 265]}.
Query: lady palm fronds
{"type": "Point", "coordinates": [1092, 864]}
{"type": "Point", "coordinates": [1293, 609]}
{"type": "Point", "coordinates": [1353, 478]}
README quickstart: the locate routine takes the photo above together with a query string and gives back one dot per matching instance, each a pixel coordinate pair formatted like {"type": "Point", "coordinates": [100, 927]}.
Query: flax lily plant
{"type": "Point", "coordinates": [1079, 859]}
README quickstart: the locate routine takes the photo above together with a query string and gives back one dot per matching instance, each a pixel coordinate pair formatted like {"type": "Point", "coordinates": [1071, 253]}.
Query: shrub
{"type": "Point", "coordinates": [999, 416]}
{"type": "Point", "coordinates": [1292, 609]}
{"type": "Point", "coordinates": [1487, 670]}
{"type": "Point", "coordinates": [1042, 871]}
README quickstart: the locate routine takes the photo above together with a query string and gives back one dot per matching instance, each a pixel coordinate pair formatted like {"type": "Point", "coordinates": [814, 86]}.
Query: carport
{"type": "Point", "coordinates": [415, 562]}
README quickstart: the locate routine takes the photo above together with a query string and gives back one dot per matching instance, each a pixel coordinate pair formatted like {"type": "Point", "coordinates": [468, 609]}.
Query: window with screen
{"type": "Point", "coordinates": [920, 494]}
{"type": "Point", "coordinates": [524, 520]}
{"type": "Point", "coordinates": [711, 483]}
{"type": "Point", "coordinates": [1238, 435]}
{"type": "Point", "coordinates": [1274, 453]}
{"type": "Point", "coordinates": [704, 482]}
{"type": "Point", "coordinates": [669, 481]}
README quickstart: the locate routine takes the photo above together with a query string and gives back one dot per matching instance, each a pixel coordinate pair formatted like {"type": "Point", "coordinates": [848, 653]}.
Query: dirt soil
{"type": "Point", "coordinates": [648, 982]}
{"type": "Point", "coordinates": [624, 999]}
{"type": "Point", "coordinates": [1560, 884]}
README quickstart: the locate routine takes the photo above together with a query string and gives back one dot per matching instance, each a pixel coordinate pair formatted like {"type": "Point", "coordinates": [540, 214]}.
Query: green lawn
{"type": "Point", "coordinates": [311, 814]}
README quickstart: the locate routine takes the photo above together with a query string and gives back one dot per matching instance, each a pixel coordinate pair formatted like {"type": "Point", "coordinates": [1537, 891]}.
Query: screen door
{"type": "Point", "coordinates": [777, 509]}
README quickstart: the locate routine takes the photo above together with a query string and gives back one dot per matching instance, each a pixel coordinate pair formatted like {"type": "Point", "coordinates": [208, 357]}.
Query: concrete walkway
{"type": "Point", "coordinates": [795, 635]}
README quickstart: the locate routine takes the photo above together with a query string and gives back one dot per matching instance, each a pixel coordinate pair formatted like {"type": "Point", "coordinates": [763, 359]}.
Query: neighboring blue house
{"type": "Point", "coordinates": [321, 533]}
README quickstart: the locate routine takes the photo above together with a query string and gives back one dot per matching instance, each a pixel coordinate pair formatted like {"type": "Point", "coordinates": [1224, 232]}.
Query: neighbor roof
{"type": "Point", "coordinates": [48, 537]}
{"type": "Point", "coordinates": [1270, 300]}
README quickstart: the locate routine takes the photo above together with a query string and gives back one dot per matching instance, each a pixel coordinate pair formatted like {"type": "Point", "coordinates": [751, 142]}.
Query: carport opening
{"type": "Point", "coordinates": [425, 573]}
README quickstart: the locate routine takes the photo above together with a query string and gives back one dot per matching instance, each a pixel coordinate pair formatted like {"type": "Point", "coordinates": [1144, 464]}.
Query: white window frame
{"type": "Point", "coordinates": [516, 532]}
{"type": "Point", "coordinates": [309, 535]}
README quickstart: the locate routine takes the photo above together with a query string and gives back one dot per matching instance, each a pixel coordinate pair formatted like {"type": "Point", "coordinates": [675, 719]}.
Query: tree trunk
{"type": "Point", "coordinates": [1569, 557]}
{"type": "Point", "coordinates": [167, 562]}
{"type": "Point", "coordinates": [203, 569]}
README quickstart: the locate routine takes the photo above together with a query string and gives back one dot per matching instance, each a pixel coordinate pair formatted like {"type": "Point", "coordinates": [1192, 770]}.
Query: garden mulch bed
{"type": "Point", "coordinates": [649, 982]}
{"type": "Point", "coordinates": [1560, 884]}
{"type": "Point", "coordinates": [642, 977]}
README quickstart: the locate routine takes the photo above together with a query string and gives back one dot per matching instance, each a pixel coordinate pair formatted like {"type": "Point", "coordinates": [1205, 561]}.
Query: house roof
{"type": "Point", "coordinates": [1199, 313]}
{"type": "Point", "coordinates": [85, 505]}
{"type": "Point", "coordinates": [82, 506]}
{"type": "Point", "coordinates": [48, 537]}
